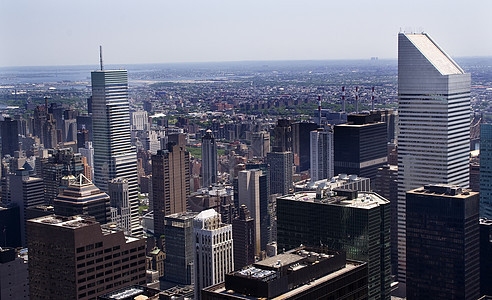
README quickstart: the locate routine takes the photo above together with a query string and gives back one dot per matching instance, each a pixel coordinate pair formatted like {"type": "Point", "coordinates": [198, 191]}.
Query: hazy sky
{"type": "Point", "coordinates": [68, 32]}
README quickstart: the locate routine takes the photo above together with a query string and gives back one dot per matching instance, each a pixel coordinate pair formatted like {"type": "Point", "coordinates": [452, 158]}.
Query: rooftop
{"type": "Point", "coordinates": [444, 190]}
{"type": "Point", "coordinates": [434, 54]}
{"type": "Point", "coordinates": [364, 200]}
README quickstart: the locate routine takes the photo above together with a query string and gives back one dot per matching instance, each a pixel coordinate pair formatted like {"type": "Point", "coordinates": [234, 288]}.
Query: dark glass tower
{"type": "Point", "coordinates": [361, 145]}
{"type": "Point", "coordinates": [442, 237]}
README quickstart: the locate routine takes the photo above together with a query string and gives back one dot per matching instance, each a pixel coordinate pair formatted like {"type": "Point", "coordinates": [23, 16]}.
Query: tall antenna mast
{"type": "Point", "coordinates": [101, 57]}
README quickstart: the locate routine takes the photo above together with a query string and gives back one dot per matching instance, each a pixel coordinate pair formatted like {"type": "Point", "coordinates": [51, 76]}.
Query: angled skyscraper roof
{"type": "Point", "coordinates": [434, 54]}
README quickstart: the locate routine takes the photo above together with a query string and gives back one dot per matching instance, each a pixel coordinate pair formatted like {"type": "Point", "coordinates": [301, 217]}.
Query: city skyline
{"type": "Point", "coordinates": [165, 32]}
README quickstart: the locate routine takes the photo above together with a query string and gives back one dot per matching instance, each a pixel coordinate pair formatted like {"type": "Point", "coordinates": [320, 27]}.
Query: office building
{"type": "Point", "coordinates": [140, 121]}
{"type": "Point", "coordinates": [282, 136]}
{"type": "Point", "coordinates": [486, 171]}
{"type": "Point", "coordinates": [209, 159]}
{"type": "Point", "coordinates": [61, 163]}
{"type": "Point", "coordinates": [360, 145]}
{"type": "Point", "coordinates": [214, 256]}
{"type": "Point", "coordinates": [10, 225]}
{"type": "Point", "coordinates": [88, 153]}
{"type": "Point", "coordinates": [341, 181]}
{"type": "Point", "coordinates": [344, 220]}
{"type": "Point", "coordinates": [81, 259]}
{"type": "Point", "coordinates": [82, 197]}
{"type": "Point", "coordinates": [249, 196]}
{"type": "Point", "coordinates": [119, 201]}
{"type": "Point", "coordinates": [260, 143]}
{"type": "Point", "coordinates": [302, 273]}
{"type": "Point", "coordinates": [170, 184]}
{"type": "Point", "coordinates": [434, 123]}
{"type": "Point", "coordinates": [14, 281]}
{"type": "Point", "coordinates": [485, 256]}
{"type": "Point", "coordinates": [114, 155]}
{"type": "Point", "coordinates": [301, 144]}
{"type": "Point", "coordinates": [9, 130]}
{"type": "Point", "coordinates": [281, 164]}
{"type": "Point", "coordinates": [243, 236]}
{"type": "Point", "coordinates": [180, 248]}
{"type": "Point", "coordinates": [322, 154]}
{"type": "Point", "coordinates": [386, 185]}
{"type": "Point", "coordinates": [443, 260]}
{"type": "Point", "coordinates": [25, 191]}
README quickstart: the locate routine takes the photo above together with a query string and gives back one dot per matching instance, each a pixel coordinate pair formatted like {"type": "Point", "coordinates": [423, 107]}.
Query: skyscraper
{"type": "Point", "coordinates": [321, 154]}
{"type": "Point", "coordinates": [209, 159]}
{"type": "Point", "coordinates": [120, 206]}
{"type": "Point", "coordinates": [486, 171]}
{"type": "Point", "coordinates": [243, 236]}
{"type": "Point", "coordinates": [300, 143]}
{"type": "Point", "coordinates": [114, 155]}
{"type": "Point", "coordinates": [443, 244]}
{"type": "Point", "coordinates": [434, 123]}
{"type": "Point", "coordinates": [360, 146]}
{"type": "Point", "coordinates": [355, 222]}
{"type": "Point", "coordinates": [82, 197]}
{"type": "Point", "coordinates": [249, 195]}
{"type": "Point", "coordinates": [9, 130]}
{"type": "Point", "coordinates": [281, 164]}
{"type": "Point", "coordinates": [81, 259]}
{"type": "Point", "coordinates": [214, 256]}
{"type": "Point", "coordinates": [170, 184]}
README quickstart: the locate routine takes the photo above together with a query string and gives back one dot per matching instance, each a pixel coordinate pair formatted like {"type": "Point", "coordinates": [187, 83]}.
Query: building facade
{"type": "Point", "coordinates": [322, 154]}
{"type": "Point", "coordinates": [434, 123]}
{"type": "Point", "coordinates": [243, 235]}
{"type": "Point", "coordinates": [443, 260]}
{"type": "Point", "coordinates": [114, 156]}
{"type": "Point", "coordinates": [91, 259]}
{"type": "Point", "coordinates": [281, 164]}
{"type": "Point", "coordinates": [486, 171]}
{"type": "Point", "coordinates": [214, 256]}
{"type": "Point", "coordinates": [119, 195]}
{"type": "Point", "coordinates": [209, 159]}
{"type": "Point", "coordinates": [170, 184]}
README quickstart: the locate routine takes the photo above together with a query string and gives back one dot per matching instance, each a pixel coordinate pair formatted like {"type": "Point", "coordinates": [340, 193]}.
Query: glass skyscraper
{"type": "Point", "coordinates": [434, 123]}
{"type": "Point", "coordinates": [486, 171]}
{"type": "Point", "coordinates": [114, 155]}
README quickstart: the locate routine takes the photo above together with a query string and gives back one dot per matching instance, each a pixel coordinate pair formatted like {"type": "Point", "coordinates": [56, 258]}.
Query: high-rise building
{"type": "Point", "coordinates": [180, 248]}
{"type": "Point", "coordinates": [88, 152]}
{"type": "Point", "coordinates": [486, 171]}
{"type": "Point", "coordinates": [301, 143]}
{"type": "Point", "coordinates": [434, 123]}
{"type": "Point", "coordinates": [443, 260]}
{"type": "Point", "coordinates": [243, 236]}
{"type": "Point", "coordinates": [10, 226]}
{"type": "Point", "coordinates": [114, 155]}
{"type": "Point", "coordinates": [302, 273]}
{"type": "Point", "coordinates": [360, 145]}
{"type": "Point", "coordinates": [282, 139]}
{"type": "Point", "coordinates": [249, 195]}
{"type": "Point", "coordinates": [119, 202]}
{"type": "Point", "coordinates": [81, 259]}
{"type": "Point", "coordinates": [281, 164]}
{"type": "Point", "coordinates": [485, 256]}
{"type": "Point", "coordinates": [140, 120]}
{"type": "Point", "coordinates": [260, 143]}
{"type": "Point", "coordinates": [322, 154]}
{"type": "Point", "coordinates": [61, 163]}
{"type": "Point", "coordinates": [209, 159]}
{"type": "Point", "coordinates": [25, 191]}
{"type": "Point", "coordinates": [386, 185]}
{"type": "Point", "coordinates": [14, 281]}
{"type": "Point", "coordinates": [170, 184]}
{"type": "Point", "coordinates": [214, 256]}
{"type": "Point", "coordinates": [9, 130]}
{"type": "Point", "coordinates": [355, 222]}
{"type": "Point", "coordinates": [82, 197]}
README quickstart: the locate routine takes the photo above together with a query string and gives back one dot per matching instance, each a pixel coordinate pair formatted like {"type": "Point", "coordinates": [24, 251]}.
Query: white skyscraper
{"type": "Point", "coordinates": [213, 250]}
{"type": "Point", "coordinates": [434, 123]}
{"type": "Point", "coordinates": [114, 155]}
{"type": "Point", "coordinates": [322, 166]}
{"type": "Point", "coordinates": [209, 159]}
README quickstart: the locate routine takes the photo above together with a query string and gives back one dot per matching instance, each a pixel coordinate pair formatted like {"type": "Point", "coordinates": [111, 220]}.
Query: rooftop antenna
{"type": "Point", "coordinates": [101, 57]}
{"type": "Point", "coordinates": [319, 110]}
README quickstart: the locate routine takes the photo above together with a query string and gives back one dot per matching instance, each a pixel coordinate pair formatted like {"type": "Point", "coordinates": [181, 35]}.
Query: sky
{"type": "Point", "coordinates": [69, 32]}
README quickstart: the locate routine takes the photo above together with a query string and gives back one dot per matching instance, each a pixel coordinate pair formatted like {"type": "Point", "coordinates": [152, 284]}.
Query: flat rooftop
{"type": "Point", "coordinates": [364, 200]}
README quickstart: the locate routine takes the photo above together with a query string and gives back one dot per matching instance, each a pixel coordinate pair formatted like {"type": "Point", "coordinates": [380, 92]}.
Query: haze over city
{"type": "Point", "coordinates": [54, 32]}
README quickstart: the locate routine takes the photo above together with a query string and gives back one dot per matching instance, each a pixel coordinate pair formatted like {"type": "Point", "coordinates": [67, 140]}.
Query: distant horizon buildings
{"type": "Point", "coordinates": [434, 124]}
